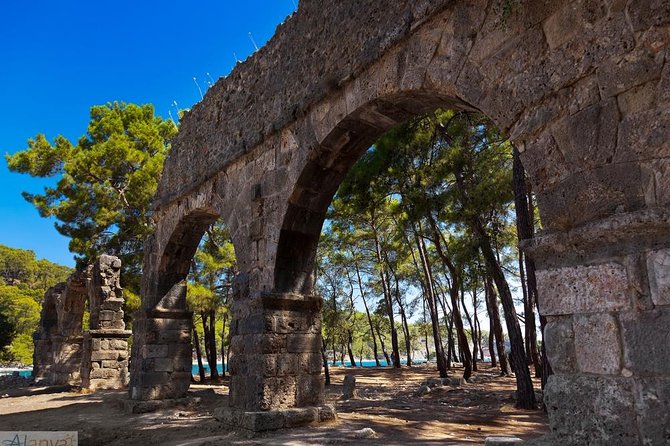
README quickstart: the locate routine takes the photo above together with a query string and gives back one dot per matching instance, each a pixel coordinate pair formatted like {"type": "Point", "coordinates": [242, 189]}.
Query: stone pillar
{"type": "Point", "coordinates": [161, 354]}
{"type": "Point", "coordinates": [275, 363]}
{"type": "Point", "coordinates": [104, 362]}
{"type": "Point", "coordinates": [605, 290]}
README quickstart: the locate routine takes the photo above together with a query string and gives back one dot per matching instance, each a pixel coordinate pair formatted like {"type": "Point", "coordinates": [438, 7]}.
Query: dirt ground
{"type": "Point", "coordinates": [387, 404]}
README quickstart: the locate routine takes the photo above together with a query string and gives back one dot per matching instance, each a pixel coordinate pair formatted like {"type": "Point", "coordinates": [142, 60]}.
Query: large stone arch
{"type": "Point", "coordinates": [581, 87]}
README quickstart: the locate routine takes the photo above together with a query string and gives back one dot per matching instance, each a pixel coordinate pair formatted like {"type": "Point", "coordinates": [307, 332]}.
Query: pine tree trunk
{"type": "Point", "coordinates": [496, 326]}
{"type": "Point", "coordinates": [367, 313]}
{"type": "Point", "coordinates": [381, 343]}
{"type": "Point", "coordinates": [214, 373]}
{"type": "Point", "coordinates": [223, 345]}
{"type": "Point", "coordinates": [473, 332]}
{"type": "Point", "coordinates": [492, 353]}
{"type": "Point", "coordinates": [523, 201]}
{"type": "Point", "coordinates": [454, 295]}
{"type": "Point", "coordinates": [395, 356]}
{"type": "Point", "coordinates": [432, 307]}
{"type": "Point", "coordinates": [326, 369]}
{"type": "Point", "coordinates": [350, 341]}
{"type": "Point", "coordinates": [524, 383]}
{"type": "Point", "coordinates": [198, 355]}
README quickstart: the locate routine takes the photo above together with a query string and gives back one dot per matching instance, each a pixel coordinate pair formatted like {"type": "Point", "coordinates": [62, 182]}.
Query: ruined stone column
{"type": "Point", "coordinates": [105, 346]}
{"type": "Point", "coordinates": [58, 342]}
{"type": "Point", "coordinates": [605, 290]}
{"type": "Point", "coordinates": [275, 363]}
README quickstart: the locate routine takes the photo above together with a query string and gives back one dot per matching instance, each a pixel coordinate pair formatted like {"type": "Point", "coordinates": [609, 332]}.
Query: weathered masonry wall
{"type": "Point", "coordinates": [581, 87]}
{"type": "Point", "coordinates": [66, 354]}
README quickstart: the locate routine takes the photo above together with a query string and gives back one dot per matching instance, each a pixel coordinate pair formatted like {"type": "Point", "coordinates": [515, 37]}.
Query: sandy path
{"type": "Point", "coordinates": [387, 404]}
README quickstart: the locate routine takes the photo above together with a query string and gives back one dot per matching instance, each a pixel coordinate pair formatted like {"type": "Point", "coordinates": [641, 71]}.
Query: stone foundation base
{"type": "Point", "coordinates": [274, 419]}
{"type": "Point", "coordinates": [161, 355]}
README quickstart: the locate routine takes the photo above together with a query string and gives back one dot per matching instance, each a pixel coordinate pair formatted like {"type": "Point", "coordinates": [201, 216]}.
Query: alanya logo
{"type": "Point", "coordinates": [15, 438]}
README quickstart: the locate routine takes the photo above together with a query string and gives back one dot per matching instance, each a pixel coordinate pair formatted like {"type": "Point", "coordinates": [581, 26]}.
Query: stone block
{"type": "Point", "coordinates": [349, 387]}
{"type": "Point", "coordinates": [287, 364]}
{"type": "Point", "coordinates": [652, 402]}
{"type": "Point", "coordinates": [101, 355]}
{"type": "Point", "coordinates": [153, 379]}
{"type": "Point", "coordinates": [586, 407]}
{"type": "Point", "coordinates": [597, 343]}
{"type": "Point", "coordinates": [620, 74]}
{"type": "Point", "coordinates": [156, 351]}
{"type": "Point", "coordinates": [588, 138]}
{"type": "Point", "coordinates": [300, 416]}
{"type": "Point", "coordinates": [593, 194]}
{"type": "Point", "coordinates": [304, 343]}
{"type": "Point", "coordinates": [118, 344]}
{"type": "Point", "coordinates": [309, 390]}
{"type": "Point", "coordinates": [658, 267]}
{"type": "Point", "coordinates": [106, 315]}
{"type": "Point", "coordinates": [310, 363]}
{"type": "Point", "coordinates": [502, 441]}
{"type": "Point", "coordinates": [583, 289]}
{"type": "Point", "coordinates": [560, 342]}
{"type": "Point", "coordinates": [327, 412]}
{"type": "Point", "coordinates": [646, 341]}
{"type": "Point", "coordinates": [263, 421]}
{"type": "Point", "coordinates": [169, 336]}
{"type": "Point", "coordinates": [643, 135]}
{"type": "Point", "coordinates": [113, 305]}
{"type": "Point", "coordinates": [278, 393]}
{"type": "Point", "coordinates": [103, 373]}
{"type": "Point", "coordinates": [107, 364]}
{"type": "Point", "coordinates": [163, 365]}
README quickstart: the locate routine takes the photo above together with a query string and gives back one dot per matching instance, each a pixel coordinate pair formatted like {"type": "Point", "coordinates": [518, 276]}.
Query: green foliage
{"type": "Point", "coordinates": [23, 282]}
{"type": "Point", "coordinates": [105, 182]}
{"type": "Point", "coordinates": [7, 328]}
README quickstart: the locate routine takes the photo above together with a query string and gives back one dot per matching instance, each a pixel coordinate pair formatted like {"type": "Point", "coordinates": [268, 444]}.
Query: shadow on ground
{"type": "Point", "coordinates": [387, 404]}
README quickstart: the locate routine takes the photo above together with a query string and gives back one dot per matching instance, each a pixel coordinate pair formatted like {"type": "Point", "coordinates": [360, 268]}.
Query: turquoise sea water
{"type": "Point", "coordinates": [366, 363]}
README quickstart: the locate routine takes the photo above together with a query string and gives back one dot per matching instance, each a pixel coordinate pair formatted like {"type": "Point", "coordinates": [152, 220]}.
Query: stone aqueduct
{"type": "Point", "coordinates": [581, 87]}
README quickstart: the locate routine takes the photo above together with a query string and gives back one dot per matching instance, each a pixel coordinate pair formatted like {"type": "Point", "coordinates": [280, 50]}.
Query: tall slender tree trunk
{"type": "Point", "coordinates": [350, 341]}
{"type": "Point", "coordinates": [454, 287]}
{"type": "Point", "coordinates": [208, 353]}
{"type": "Point", "coordinates": [452, 342]}
{"type": "Point", "coordinates": [223, 345]}
{"type": "Point", "coordinates": [432, 306]}
{"type": "Point", "coordinates": [198, 355]}
{"type": "Point", "coordinates": [403, 318]}
{"type": "Point", "coordinates": [492, 353]}
{"type": "Point", "coordinates": [381, 343]}
{"type": "Point", "coordinates": [326, 369]}
{"type": "Point", "coordinates": [473, 331]}
{"type": "Point", "coordinates": [496, 326]}
{"type": "Point", "coordinates": [524, 383]}
{"type": "Point", "coordinates": [389, 303]}
{"type": "Point", "coordinates": [523, 200]}
{"type": "Point", "coordinates": [448, 322]}
{"type": "Point", "coordinates": [367, 313]}
{"type": "Point", "coordinates": [214, 372]}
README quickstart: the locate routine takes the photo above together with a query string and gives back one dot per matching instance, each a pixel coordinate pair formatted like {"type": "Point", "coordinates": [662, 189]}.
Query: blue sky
{"type": "Point", "coordinates": [57, 59]}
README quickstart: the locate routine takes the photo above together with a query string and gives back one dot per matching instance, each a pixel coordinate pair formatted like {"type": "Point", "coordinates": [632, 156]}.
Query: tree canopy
{"type": "Point", "coordinates": [23, 281]}
{"type": "Point", "coordinates": [101, 199]}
